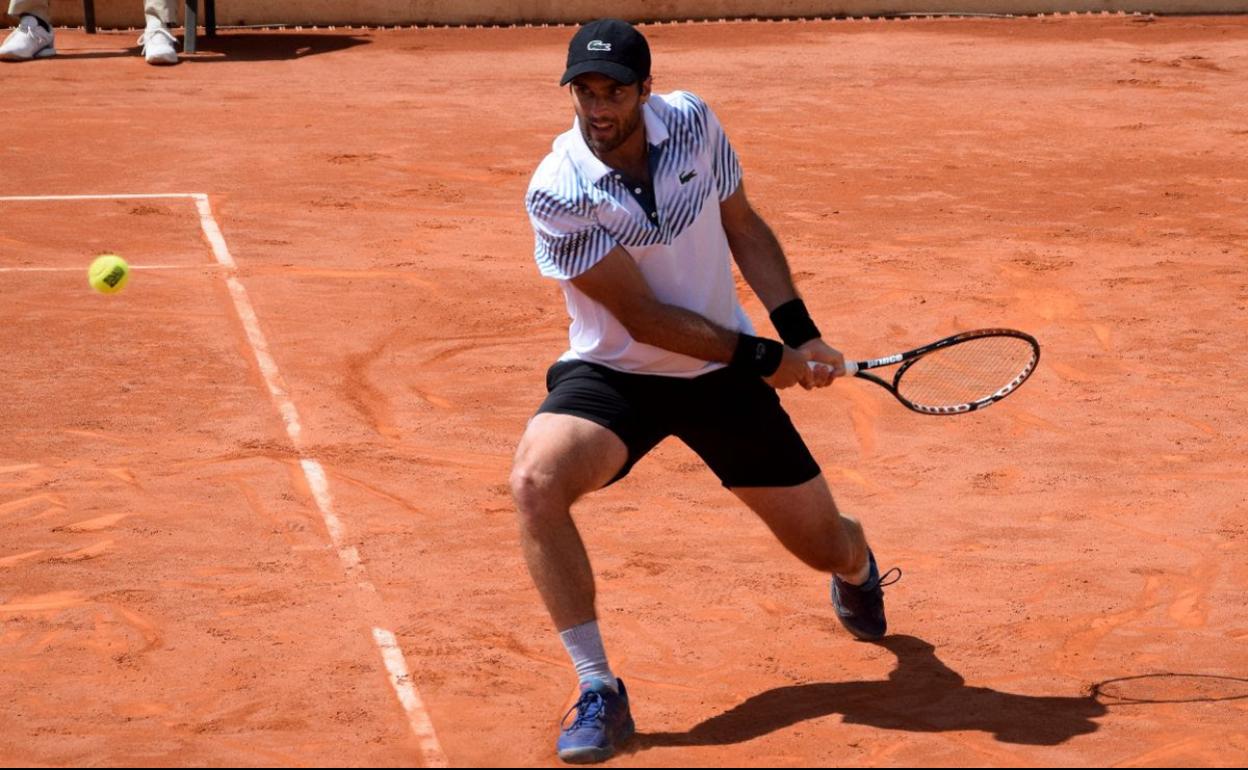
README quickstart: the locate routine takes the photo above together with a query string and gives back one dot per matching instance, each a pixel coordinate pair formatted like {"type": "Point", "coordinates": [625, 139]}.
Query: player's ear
{"type": "Point", "coordinates": [645, 89]}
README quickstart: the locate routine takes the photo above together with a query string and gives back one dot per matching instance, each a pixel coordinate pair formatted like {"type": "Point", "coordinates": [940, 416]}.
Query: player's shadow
{"type": "Point", "coordinates": [262, 46]}
{"type": "Point", "coordinates": [63, 54]}
{"type": "Point", "coordinates": [921, 695]}
{"type": "Point", "coordinates": [271, 46]}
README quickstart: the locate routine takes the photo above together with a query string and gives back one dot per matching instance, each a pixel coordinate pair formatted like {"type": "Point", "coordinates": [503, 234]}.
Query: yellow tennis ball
{"type": "Point", "coordinates": [108, 274]}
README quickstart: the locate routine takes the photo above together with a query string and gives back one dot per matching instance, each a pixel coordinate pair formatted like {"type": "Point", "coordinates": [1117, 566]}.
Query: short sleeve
{"type": "Point", "coordinates": [568, 240]}
{"type": "Point", "coordinates": [724, 163]}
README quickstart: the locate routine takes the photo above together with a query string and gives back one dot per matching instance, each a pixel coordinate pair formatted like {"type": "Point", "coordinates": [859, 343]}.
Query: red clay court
{"type": "Point", "coordinates": [254, 509]}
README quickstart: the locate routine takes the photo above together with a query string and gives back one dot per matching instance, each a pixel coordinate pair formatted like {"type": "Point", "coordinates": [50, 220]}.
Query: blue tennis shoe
{"type": "Point", "coordinates": [603, 722]}
{"type": "Point", "coordinates": [861, 608]}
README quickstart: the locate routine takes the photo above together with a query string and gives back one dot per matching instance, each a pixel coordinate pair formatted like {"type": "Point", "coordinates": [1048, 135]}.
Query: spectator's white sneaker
{"type": "Point", "coordinates": [158, 46]}
{"type": "Point", "coordinates": [28, 41]}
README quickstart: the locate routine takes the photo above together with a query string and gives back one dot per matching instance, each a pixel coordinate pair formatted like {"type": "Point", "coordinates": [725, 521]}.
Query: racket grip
{"type": "Point", "coordinates": [851, 367]}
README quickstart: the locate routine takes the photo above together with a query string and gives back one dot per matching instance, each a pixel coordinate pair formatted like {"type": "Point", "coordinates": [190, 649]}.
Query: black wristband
{"type": "Point", "coordinates": [757, 355]}
{"type": "Point", "coordinates": [793, 322]}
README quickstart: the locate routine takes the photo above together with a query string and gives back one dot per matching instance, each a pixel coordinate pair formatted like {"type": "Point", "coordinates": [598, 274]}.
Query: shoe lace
{"type": "Point", "coordinates": [894, 573]}
{"type": "Point", "coordinates": [887, 579]}
{"type": "Point", "coordinates": [589, 709]}
{"type": "Point", "coordinates": [148, 33]}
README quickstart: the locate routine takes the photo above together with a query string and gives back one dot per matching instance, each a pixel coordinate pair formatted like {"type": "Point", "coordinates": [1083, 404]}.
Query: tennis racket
{"type": "Point", "coordinates": [958, 374]}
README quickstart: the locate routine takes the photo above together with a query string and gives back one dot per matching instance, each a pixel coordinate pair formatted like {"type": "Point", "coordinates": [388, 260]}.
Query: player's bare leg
{"type": "Point", "coordinates": [806, 520]}
{"type": "Point", "coordinates": [560, 459]}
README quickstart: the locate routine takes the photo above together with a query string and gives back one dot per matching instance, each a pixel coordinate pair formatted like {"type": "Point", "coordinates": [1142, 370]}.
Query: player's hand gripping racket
{"type": "Point", "coordinates": [958, 374]}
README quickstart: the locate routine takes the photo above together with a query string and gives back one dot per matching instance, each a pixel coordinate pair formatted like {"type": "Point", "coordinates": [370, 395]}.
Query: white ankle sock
{"type": "Point", "coordinates": [584, 646]}
{"type": "Point", "coordinates": [859, 577]}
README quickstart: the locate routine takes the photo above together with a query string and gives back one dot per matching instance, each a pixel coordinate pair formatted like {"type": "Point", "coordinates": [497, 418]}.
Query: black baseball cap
{"type": "Point", "coordinates": [609, 47]}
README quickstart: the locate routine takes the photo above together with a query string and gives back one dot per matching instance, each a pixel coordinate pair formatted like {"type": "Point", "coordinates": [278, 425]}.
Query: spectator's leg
{"type": "Point", "coordinates": [33, 38]}
{"type": "Point", "coordinates": [159, 44]}
{"type": "Point", "coordinates": [164, 12]}
{"type": "Point", "coordinates": [40, 9]}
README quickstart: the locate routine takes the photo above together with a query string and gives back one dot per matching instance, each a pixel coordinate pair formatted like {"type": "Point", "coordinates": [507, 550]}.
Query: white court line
{"type": "Point", "coordinates": [98, 197]}
{"type": "Point", "coordinates": [212, 232]}
{"type": "Point", "coordinates": [315, 474]}
{"type": "Point", "coordinates": [391, 655]}
{"type": "Point", "coordinates": [83, 269]}
{"type": "Point", "coordinates": [417, 715]}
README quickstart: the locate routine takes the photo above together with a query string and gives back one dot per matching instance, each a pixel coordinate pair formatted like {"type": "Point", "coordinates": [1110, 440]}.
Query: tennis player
{"type": "Point", "coordinates": [639, 212]}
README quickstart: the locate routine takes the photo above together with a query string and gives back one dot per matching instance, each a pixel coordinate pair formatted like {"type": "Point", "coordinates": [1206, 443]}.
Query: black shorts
{"type": "Point", "coordinates": [732, 420]}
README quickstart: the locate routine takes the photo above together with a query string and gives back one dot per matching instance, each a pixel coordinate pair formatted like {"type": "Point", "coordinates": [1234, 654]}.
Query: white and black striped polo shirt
{"type": "Point", "coordinates": [581, 209]}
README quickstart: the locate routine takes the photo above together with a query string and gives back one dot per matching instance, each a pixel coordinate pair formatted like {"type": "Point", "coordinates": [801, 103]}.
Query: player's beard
{"type": "Point", "coordinates": [613, 139]}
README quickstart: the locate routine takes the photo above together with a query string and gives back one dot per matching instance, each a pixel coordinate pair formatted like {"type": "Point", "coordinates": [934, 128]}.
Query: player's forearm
{"type": "Point", "coordinates": [683, 331]}
{"type": "Point", "coordinates": [758, 253]}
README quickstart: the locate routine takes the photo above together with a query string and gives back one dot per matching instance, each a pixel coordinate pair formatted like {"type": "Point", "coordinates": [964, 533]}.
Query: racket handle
{"type": "Point", "coordinates": [851, 367]}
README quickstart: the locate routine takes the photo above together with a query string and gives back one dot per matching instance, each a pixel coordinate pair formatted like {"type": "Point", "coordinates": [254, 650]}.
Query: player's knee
{"type": "Point", "coordinates": [536, 491]}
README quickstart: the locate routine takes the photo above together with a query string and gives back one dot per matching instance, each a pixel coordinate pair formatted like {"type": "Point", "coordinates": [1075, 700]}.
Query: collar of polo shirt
{"type": "Point", "coordinates": [587, 161]}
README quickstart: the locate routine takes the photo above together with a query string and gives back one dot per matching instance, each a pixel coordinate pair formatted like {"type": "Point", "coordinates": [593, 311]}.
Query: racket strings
{"type": "Point", "coordinates": [966, 372]}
